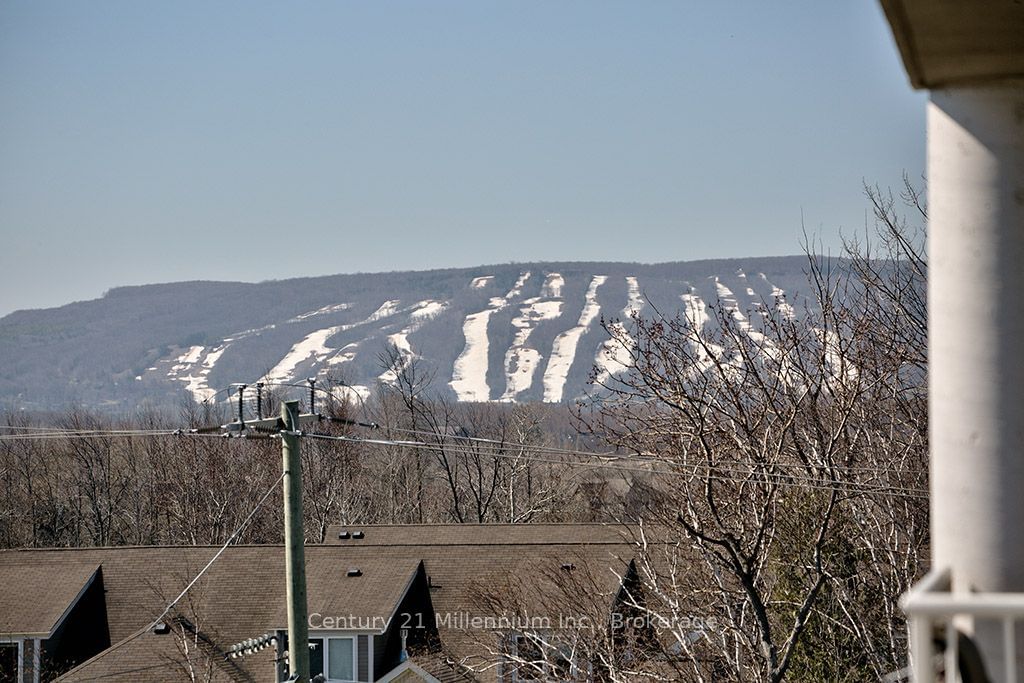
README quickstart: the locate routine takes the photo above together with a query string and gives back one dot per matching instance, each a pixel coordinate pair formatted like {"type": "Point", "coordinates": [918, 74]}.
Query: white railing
{"type": "Point", "coordinates": [932, 608]}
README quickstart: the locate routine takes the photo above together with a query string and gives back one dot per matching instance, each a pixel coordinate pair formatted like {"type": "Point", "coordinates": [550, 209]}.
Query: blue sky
{"type": "Point", "coordinates": [151, 142]}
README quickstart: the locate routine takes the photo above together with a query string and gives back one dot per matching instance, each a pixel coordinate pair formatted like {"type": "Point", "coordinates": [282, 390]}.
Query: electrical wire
{"type": "Point", "coordinates": [490, 448]}
{"type": "Point", "coordinates": [695, 469]}
{"type": "Point", "coordinates": [232, 537]}
{"type": "Point", "coordinates": [554, 449]}
{"type": "Point", "coordinates": [483, 440]}
{"type": "Point", "coordinates": [613, 457]}
{"type": "Point", "coordinates": [86, 434]}
{"type": "Point", "coordinates": [606, 454]}
{"type": "Point", "coordinates": [172, 603]}
{"type": "Point", "coordinates": [212, 400]}
{"type": "Point", "coordinates": [38, 429]}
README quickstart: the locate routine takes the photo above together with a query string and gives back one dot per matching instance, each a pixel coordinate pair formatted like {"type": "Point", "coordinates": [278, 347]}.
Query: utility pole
{"type": "Point", "coordinates": [288, 425]}
{"type": "Point", "coordinates": [294, 545]}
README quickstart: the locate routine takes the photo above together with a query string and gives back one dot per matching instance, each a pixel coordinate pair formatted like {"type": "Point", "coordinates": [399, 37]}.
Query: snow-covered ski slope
{"type": "Point", "coordinates": [502, 333]}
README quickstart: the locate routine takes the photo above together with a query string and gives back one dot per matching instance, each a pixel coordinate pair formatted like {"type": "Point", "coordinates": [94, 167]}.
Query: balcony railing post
{"type": "Point", "coordinates": [1009, 645]}
{"type": "Point", "coordinates": [921, 651]}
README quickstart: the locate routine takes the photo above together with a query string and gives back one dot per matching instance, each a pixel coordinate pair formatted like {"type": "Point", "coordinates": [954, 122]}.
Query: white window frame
{"type": "Point", "coordinates": [18, 645]}
{"type": "Point", "coordinates": [354, 637]}
{"type": "Point", "coordinates": [36, 655]}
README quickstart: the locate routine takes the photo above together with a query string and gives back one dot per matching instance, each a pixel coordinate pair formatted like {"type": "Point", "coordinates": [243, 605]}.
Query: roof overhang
{"type": "Point", "coordinates": [37, 598]}
{"type": "Point", "coordinates": [411, 667]}
{"type": "Point", "coordinates": [955, 43]}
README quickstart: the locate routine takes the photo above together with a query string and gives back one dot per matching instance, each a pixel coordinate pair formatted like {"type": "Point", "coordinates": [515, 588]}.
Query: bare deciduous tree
{"type": "Point", "coordinates": [794, 456]}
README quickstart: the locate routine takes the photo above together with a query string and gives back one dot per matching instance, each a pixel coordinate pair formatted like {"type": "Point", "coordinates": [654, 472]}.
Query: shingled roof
{"type": "Point", "coordinates": [242, 594]}
{"type": "Point", "coordinates": [468, 566]}
{"type": "Point", "coordinates": [477, 534]}
{"type": "Point", "coordinates": [243, 587]}
{"type": "Point", "coordinates": [35, 596]}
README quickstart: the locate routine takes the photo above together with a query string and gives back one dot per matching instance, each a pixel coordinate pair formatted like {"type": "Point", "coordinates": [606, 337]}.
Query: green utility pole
{"type": "Point", "coordinates": [294, 545]}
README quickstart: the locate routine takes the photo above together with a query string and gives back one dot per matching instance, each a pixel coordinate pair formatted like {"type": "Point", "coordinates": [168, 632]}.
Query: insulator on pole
{"type": "Point", "coordinates": [241, 395]}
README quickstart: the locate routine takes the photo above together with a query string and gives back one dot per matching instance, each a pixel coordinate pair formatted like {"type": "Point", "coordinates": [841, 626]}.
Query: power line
{"type": "Point", "coordinates": [551, 449]}
{"type": "Point", "coordinates": [36, 429]}
{"type": "Point", "coordinates": [695, 468]}
{"type": "Point", "coordinates": [610, 455]}
{"type": "Point", "coordinates": [607, 456]}
{"type": "Point", "coordinates": [176, 434]}
{"type": "Point", "coordinates": [74, 430]}
{"type": "Point", "coordinates": [172, 603]}
{"type": "Point", "coordinates": [491, 449]}
{"type": "Point", "coordinates": [507, 444]}
{"type": "Point", "coordinates": [232, 537]}
{"type": "Point", "coordinates": [85, 434]}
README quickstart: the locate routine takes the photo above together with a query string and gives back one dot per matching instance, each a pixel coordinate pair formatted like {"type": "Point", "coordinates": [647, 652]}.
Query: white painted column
{"type": "Point", "coordinates": [976, 336]}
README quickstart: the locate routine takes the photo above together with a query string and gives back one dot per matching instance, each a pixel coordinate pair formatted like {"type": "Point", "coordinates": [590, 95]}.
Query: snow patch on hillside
{"type": "Point", "coordinates": [636, 299]}
{"type": "Point", "coordinates": [469, 375]}
{"type": "Point", "coordinates": [695, 310]}
{"type": "Point", "coordinates": [197, 386]}
{"type": "Point", "coordinates": [783, 307]}
{"type": "Point", "coordinates": [313, 346]}
{"type": "Point", "coordinates": [521, 361]}
{"type": "Point", "coordinates": [320, 311]}
{"type": "Point", "coordinates": [563, 350]}
{"type": "Point", "coordinates": [616, 354]}
{"type": "Point", "coordinates": [345, 354]}
{"type": "Point", "coordinates": [481, 282]}
{"type": "Point", "coordinates": [842, 368]}
{"type": "Point", "coordinates": [730, 306]}
{"type": "Point", "coordinates": [190, 357]}
{"type": "Point", "coordinates": [517, 289]}
{"type": "Point", "coordinates": [212, 357]}
{"type": "Point", "coordinates": [193, 369]}
{"type": "Point", "coordinates": [552, 288]}
{"type": "Point", "coordinates": [350, 393]}
{"type": "Point", "coordinates": [388, 308]}
{"type": "Point", "coordinates": [248, 333]}
{"type": "Point", "coordinates": [194, 366]}
{"type": "Point", "coordinates": [425, 310]}
{"type": "Point", "coordinates": [421, 313]}
{"type": "Point", "coordinates": [767, 349]}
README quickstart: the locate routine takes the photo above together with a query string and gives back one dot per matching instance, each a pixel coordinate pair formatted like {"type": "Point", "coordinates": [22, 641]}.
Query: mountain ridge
{"type": "Point", "coordinates": [486, 335]}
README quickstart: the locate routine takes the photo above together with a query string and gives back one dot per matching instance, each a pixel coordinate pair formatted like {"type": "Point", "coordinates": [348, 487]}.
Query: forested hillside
{"type": "Point", "coordinates": [513, 332]}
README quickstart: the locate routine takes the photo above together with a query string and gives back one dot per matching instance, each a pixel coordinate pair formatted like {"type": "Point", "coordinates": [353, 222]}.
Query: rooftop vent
{"type": "Point", "coordinates": [354, 571]}
{"type": "Point", "coordinates": [161, 628]}
{"type": "Point", "coordinates": [568, 567]}
{"type": "Point", "coordinates": [357, 534]}
{"type": "Point", "coordinates": [343, 535]}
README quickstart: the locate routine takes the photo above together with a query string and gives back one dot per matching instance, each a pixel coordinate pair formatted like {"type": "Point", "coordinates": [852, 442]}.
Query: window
{"type": "Point", "coordinates": [340, 658]}
{"type": "Point", "coordinates": [316, 657]}
{"type": "Point", "coordinates": [336, 660]}
{"type": "Point", "coordinates": [8, 662]}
